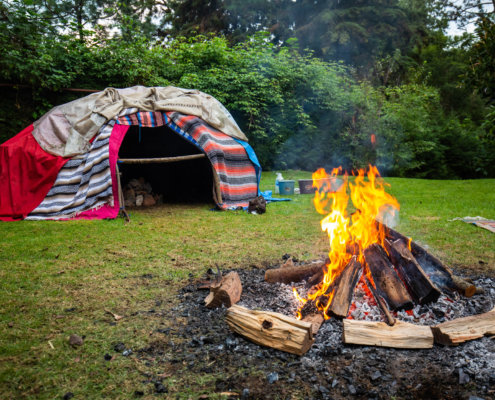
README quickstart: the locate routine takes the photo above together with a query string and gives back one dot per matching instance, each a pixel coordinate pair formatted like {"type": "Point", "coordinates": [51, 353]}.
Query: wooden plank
{"type": "Point", "coordinates": [420, 286]}
{"type": "Point", "coordinates": [160, 160]}
{"type": "Point", "coordinates": [463, 329]}
{"type": "Point", "coordinates": [342, 295]}
{"type": "Point", "coordinates": [402, 335]}
{"type": "Point", "coordinates": [385, 278]}
{"type": "Point", "coordinates": [271, 329]}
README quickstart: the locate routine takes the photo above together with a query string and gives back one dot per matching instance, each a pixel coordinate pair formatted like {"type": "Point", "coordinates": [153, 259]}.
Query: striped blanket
{"type": "Point", "coordinates": [236, 172]}
{"type": "Point", "coordinates": [85, 182]}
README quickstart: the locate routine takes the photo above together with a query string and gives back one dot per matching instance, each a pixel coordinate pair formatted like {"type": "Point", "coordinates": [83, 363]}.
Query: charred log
{"type": "Point", "coordinates": [382, 304]}
{"type": "Point", "coordinates": [347, 281]}
{"type": "Point", "coordinates": [387, 282]}
{"type": "Point", "coordinates": [443, 277]}
{"type": "Point", "coordinates": [292, 274]}
{"type": "Point", "coordinates": [422, 289]}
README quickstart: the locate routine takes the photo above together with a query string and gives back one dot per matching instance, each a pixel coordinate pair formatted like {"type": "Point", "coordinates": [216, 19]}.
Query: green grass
{"type": "Point", "coordinates": [59, 278]}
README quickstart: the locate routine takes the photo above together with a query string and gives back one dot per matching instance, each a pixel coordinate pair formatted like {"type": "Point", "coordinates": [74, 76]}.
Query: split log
{"type": "Point", "coordinates": [443, 277]}
{"type": "Point", "coordinates": [292, 274]}
{"type": "Point", "coordinates": [402, 335]}
{"type": "Point", "coordinates": [463, 329]}
{"type": "Point", "coordinates": [380, 301]}
{"type": "Point", "coordinates": [271, 329]}
{"type": "Point", "coordinates": [420, 286]}
{"type": "Point", "coordinates": [316, 320]}
{"type": "Point", "coordinates": [342, 295]}
{"type": "Point", "coordinates": [386, 280]}
{"type": "Point", "coordinates": [227, 292]}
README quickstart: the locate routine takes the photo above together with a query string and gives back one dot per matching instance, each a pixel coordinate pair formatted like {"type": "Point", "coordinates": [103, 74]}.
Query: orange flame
{"type": "Point", "coordinates": [359, 229]}
{"type": "Point", "coordinates": [373, 139]}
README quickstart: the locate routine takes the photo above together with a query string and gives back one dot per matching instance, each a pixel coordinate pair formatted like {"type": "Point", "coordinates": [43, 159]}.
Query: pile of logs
{"type": "Point", "coordinates": [399, 276]}
{"type": "Point", "coordinates": [138, 193]}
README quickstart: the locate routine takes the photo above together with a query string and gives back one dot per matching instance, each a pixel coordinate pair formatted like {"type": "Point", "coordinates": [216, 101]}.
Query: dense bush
{"type": "Point", "coordinates": [298, 111]}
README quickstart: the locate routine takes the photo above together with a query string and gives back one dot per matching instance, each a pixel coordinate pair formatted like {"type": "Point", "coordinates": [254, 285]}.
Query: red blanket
{"type": "Point", "coordinates": [27, 173]}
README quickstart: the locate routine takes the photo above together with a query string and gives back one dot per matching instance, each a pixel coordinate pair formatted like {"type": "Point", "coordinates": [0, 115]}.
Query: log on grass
{"type": "Point", "coordinates": [420, 286]}
{"type": "Point", "coordinates": [463, 329]}
{"type": "Point", "coordinates": [227, 292]}
{"type": "Point", "coordinates": [271, 329]}
{"type": "Point", "coordinates": [402, 335]}
{"type": "Point", "coordinates": [385, 278]}
{"type": "Point", "coordinates": [443, 277]}
{"type": "Point", "coordinates": [292, 274]}
{"type": "Point", "coordinates": [347, 281]}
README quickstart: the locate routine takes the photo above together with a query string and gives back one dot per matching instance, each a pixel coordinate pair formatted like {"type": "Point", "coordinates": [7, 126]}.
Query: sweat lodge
{"type": "Point", "coordinates": [67, 164]}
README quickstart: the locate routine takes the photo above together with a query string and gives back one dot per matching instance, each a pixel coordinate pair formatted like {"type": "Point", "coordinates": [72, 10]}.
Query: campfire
{"type": "Point", "coordinates": [395, 274]}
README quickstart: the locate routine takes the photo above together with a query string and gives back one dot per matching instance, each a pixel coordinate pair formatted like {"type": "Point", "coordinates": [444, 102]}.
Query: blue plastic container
{"type": "Point", "coordinates": [286, 187]}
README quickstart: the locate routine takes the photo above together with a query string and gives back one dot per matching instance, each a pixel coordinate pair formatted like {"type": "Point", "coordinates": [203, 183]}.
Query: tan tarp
{"type": "Point", "coordinates": [66, 130]}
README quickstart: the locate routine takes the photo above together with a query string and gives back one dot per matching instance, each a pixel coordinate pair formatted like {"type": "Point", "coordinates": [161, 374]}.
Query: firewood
{"type": "Point", "coordinates": [463, 329]}
{"type": "Point", "coordinates": [292, 274]}
{"type": "Point", "coordinates": [420, 286]}
{"type": "Point", "coordinates": [342, 295]}
{"type": "Point", "coordinates": [316, 320]}
{"type": "Point", "coordinates": [385, 278]}
{"type": "Point", "coordinates": [382, 304]}
{"type": "Point", "coordinates": [227, 292]}
{"type": "Point", "coordinates": [271, 329]}
{"type": "Point", "coordinates": [440, 274]}
{"type": "Point", "coordinates": [402, 335]}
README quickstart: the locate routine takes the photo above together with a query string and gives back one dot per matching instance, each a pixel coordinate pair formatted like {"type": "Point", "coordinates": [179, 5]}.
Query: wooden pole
{"type": "Point", "coordinates": [160, 160]}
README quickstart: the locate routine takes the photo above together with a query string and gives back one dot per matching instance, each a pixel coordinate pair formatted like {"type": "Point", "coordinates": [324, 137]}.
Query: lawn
{"type": "Point", "coordinates": [59, 278]}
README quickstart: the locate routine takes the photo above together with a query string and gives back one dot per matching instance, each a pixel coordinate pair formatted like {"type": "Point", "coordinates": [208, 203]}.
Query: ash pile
{"type": "Point", "coordinates": [139, 193]}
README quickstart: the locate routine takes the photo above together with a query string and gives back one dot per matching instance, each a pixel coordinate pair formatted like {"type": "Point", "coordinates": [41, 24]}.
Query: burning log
{"type": "Point", "coordinates": [316, 320]}
{"type": "Point", "coordinates": [347, 281]}
{"type": "Point", "coordinates": [292, 274]}
{"type": "Point", "coordinates": [402, 335]}
{"type": "Point", "coordinates": [382, 304]}
{"type": "Point", "coordinates": [387, 282]}
{"type": "Point", "coordinates": [463, 329]}
{"type": "Point", "coordinates": [421, 287]}
{"type": "Point", "coordinates": [227, 292]}
{"type": "Point", "coordinates": [271, 329]}
{"type": "Point", "coordinates": [438, 272]}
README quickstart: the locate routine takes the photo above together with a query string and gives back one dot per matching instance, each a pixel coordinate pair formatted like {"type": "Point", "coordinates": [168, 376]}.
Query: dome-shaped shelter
{"type": "Point", "coordinates": [185, 143]}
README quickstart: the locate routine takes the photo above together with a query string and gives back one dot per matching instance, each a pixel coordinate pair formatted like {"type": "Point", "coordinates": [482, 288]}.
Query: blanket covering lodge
{"type": "Point", "coordinates": [35, 184]}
